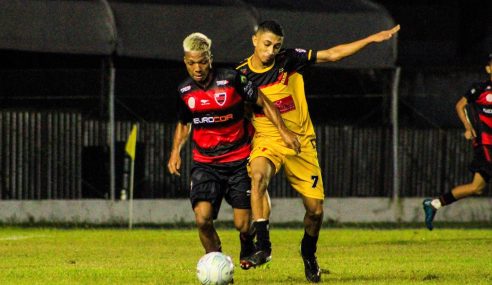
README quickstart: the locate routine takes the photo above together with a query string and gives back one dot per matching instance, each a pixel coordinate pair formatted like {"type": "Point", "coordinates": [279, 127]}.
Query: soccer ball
{"type": "Point", "coordinates": [215, 268]}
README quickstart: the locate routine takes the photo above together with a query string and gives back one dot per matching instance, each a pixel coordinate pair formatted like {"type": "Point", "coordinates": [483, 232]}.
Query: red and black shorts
{"type": "Point", "coordinates": [212, 182]}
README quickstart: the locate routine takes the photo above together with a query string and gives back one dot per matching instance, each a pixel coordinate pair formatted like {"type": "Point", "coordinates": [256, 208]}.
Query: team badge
{"type": "Point", "coordinates": [243, 79]}
{"type": "Point", "coordinates": [488, 97]}
{"type": "Point", "coordinates": [191, 103]}
{"type": "Point", "coordinates": [220, 98]}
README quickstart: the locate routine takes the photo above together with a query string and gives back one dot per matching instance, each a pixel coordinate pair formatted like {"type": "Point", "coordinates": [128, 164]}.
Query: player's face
{"type": "Point", "coordinates": [267, 45]}
{"type": "Point", "coordinates": [198, 65]}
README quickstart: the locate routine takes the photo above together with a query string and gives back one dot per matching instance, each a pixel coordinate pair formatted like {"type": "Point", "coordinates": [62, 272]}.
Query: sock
{"type": "Point", "coordinates": [247, 244]}
{"type": "Point", "coordinates": [436, 203]}
{"type": "Point", "coordinates": [263, 235]}
{"type": "Point", "coordinates": [246, 237]}
{"type": "Point", "coordinates": [447, 199]}
{"type": "Point", "coordinates": [308, 245]}
{"type": "Point", "coordinates": [217, 250]}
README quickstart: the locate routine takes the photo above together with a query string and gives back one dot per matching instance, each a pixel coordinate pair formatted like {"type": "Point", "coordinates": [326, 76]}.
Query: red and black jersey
{"type": "Point", "coordinates": [479, 99]}
{"type": "Point", "coordinates": [220, 131]}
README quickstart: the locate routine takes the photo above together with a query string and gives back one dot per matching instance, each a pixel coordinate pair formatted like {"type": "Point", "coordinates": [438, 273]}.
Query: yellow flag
{"type": "Point", "coordinates": [131, 144]}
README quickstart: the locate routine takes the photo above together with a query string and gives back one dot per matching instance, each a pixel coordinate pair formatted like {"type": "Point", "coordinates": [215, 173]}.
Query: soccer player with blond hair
{"type": "Point", "coordinates": [211, 106]}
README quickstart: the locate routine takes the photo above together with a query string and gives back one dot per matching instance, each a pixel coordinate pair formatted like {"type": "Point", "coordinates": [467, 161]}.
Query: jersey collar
{"type": "Point", "coordinates": [250, 65]}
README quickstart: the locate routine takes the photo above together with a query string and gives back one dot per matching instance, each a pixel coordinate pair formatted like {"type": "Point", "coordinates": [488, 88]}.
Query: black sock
{"type": "Point", "coordinates": [217, 250]}
{"type": "Point", "coordinates": [447, 198]}
{"type": "Point", "coordinates": [246, 237]}
{"type": "Point", "coordinates": [263, 235]}
{"type": "Point", "coordinates": [308, 245]}
{"type": "Point", "coordinates": [247, 244]}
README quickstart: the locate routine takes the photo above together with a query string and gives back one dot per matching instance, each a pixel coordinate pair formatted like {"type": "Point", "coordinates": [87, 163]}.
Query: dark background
{"type": "Point", "coordinates": [437, 39]}
{"type": "Point", "coordinates": [442, 47]}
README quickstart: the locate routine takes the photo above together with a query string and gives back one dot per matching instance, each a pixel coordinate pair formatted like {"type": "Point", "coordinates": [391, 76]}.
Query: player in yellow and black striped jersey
{"type": "Point", "coordinates": [276, 72]}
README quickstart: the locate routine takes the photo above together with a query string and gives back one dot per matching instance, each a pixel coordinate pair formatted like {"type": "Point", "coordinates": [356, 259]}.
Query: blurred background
{"type": "Point", "coordinates": [75, 76]}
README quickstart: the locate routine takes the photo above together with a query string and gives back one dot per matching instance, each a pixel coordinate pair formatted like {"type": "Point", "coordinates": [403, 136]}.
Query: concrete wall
{"type": "Point", "coordinates": [343, 210]}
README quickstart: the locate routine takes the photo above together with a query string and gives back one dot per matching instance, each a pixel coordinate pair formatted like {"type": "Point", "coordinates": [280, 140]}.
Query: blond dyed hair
{"type": "Point", "coordinates": [197, 42]}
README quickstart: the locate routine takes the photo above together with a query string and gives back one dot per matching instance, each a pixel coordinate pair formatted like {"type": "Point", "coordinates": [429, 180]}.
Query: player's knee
{"type": "Point", "coordinates": [478, 190]}
{"type": "Point", "coordinates": [260, 180]}
{"type": "Point", "coordinates": [241, 225]}
{"type": "Point", "coordinates": [204, 223]}
{"type": "Point", "coordinates": [315, 214]}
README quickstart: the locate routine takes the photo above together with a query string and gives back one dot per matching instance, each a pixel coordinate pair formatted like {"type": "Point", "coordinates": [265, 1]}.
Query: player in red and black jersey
{"type": "Point", "coordinates": [475, 112]}
{"type": "Point", "coordinates": [212, 107]}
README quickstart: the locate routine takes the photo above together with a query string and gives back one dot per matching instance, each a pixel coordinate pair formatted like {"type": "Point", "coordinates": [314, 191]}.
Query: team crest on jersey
{"type": "Point", "coordinates": [191, 103]}
{"type": "Point", "coordinates": [220, 98]}
{"type": "Point", "coordinates": [488, 98]}
{"type": "Point", "coordinates": [244, 79]}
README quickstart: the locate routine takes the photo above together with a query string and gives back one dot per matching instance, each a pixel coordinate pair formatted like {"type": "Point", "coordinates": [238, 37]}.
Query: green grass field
{"type": "Point", "coordinates": [169, 256]}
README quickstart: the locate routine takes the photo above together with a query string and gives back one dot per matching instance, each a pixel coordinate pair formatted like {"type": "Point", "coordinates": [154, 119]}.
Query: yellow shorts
{"type": "Point", "coordinates": [302, 170]}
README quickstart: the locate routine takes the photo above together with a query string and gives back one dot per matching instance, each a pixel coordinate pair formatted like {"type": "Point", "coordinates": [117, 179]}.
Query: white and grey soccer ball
{"type": "Point", "coordinates": [215, 268]}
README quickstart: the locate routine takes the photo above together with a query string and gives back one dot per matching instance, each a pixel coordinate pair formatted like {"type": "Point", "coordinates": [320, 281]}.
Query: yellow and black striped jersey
{"type": "Point", "coordinates": [284, 86]}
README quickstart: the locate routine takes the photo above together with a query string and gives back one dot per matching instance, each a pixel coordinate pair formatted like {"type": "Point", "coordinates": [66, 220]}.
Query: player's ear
{"type": "Point", "coordinates": [488, 69]}
{"type": "Point", "coordinates": [210, 59]}
{"type": "Point", "coordinates": [254, 39]}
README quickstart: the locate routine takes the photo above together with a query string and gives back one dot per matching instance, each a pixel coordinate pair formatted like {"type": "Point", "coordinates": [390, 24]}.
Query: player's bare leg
{"type": "Point", "coordinates": [242, 222]}
{"type": "Point", "coordinates": [262, 171]}
{"type": "Point", "coordinates": [474, 188]}
{"type": "Point", "coordinates": [312, 225]}
{"type": "Point", "coordinates": [267, 204]}
{"type": "Point", "coordinates": [205, 224]}
{"type": "Point", "coordinates": [459, 192]}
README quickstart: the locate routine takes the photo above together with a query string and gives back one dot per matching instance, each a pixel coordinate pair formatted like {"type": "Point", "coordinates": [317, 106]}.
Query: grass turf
{"type": "Point", "coordinates": [169, 256]}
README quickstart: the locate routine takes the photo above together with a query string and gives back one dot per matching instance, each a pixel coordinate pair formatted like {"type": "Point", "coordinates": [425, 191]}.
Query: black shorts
{"type": "Point", "coordinates": [212, 182]}
{"type": "Point", "coordinates": [482, 161]}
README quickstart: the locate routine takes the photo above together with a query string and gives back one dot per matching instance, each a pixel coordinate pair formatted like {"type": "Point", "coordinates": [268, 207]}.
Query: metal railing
{"type": "Point", "coordinates": [60, 155]}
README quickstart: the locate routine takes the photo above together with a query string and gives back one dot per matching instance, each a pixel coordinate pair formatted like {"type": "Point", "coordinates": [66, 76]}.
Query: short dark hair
{"type": "Point", "coordinates": [490, 58]}
{"type": "Point", "coordinates": [270, 26]}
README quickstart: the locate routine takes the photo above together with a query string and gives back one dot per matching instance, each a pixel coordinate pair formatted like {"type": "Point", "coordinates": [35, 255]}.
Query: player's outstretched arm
{"type": "Point", "coordinates": [273, 114]}
{"type": "Point", "coordinates": [461, 111]}
{"type": "Point", "coordinates": [181, 135]}
{"type": "Point", "coordinates": [341, 51]}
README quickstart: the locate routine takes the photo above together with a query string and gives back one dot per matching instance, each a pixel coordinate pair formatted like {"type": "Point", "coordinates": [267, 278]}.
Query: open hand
{"type": "Point", "coordinates": [385, 35]}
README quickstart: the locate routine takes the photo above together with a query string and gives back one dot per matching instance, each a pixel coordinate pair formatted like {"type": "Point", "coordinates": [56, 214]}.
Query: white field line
{"type": "Point", "coordinates": [21, 237]}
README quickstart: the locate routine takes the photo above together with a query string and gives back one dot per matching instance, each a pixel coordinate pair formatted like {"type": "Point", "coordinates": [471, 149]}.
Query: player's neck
{"type": "Point", "coordinates": [257, 64]}
{"type": "Point", "coordinates": [204, 84]}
